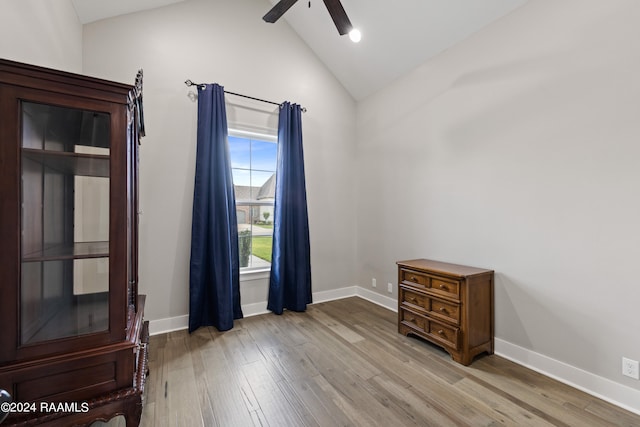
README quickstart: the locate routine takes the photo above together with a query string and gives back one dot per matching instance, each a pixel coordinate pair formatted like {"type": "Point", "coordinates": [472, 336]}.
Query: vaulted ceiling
{"type": "Point", "coordinates": [397, 35]}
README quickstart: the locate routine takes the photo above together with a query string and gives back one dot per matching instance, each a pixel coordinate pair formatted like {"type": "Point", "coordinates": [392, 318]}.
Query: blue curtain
{"type": "Point", "coordinates": [290, 283]}
{"type": "Point", "coordinates": [214, 280]}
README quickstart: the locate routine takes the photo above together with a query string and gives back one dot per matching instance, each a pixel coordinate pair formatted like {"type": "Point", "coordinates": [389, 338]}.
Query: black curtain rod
{"type": "Point", "coordinates": [190, 83]}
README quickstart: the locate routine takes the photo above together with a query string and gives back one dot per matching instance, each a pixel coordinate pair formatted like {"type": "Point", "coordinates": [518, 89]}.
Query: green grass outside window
{"type": "Point", "coordinates": [261, 247]}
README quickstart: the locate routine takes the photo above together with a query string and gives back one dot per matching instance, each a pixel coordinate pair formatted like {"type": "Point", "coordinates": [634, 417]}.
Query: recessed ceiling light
{"type": "Point", "coordinates": [355, 35]}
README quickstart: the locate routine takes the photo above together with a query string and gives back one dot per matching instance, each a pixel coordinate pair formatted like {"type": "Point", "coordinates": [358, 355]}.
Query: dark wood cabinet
{"type": "Point", "coordinates": [448, 304]}
{"type": "Point", "coordinates": [71, 317]}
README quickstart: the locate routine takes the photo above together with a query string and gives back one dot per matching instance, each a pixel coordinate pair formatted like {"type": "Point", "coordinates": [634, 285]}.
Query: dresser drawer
{"type": "Point", "coordinates": [439, 285]}
{"type": "Point", "coordinates": [430, 305]}
{"type": "Point", "coordinates": [444, 333]}
{"type": "Point", "coordinates": [427, 327]}
{"type": "Point", "coordinates": [415, 278]}
{"type": "Point", "coordinates": [445, 310]}
{"type": "Point", "coordinates": [414, 320]}
{"type": "Point", "coordinates": [448, 288]}
{"type": "Point", "coordinates": [415, 299]}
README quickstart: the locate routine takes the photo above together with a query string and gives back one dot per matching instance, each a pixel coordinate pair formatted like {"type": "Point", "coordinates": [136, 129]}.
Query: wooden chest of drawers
{"type": "Point", "coordinates": [448, 304]}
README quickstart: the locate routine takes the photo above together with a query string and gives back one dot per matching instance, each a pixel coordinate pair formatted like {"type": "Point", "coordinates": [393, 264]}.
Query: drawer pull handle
{"type": "Point", "coordinates": [413, 299]}
{"type": "Point", "coordinates": [442, 309]}
{"type": "Point", "coordinates": [414, 279]}
{"type": "Point", "coordinates": [412, 320]}
{"type": "Point", "coordinates": [443, 287]}
{"type": "Point", "coordinates": [440, 332]}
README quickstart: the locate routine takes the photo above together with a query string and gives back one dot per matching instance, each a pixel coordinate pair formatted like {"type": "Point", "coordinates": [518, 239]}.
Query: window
{"type": "Point", "coordinates": [253, 164]}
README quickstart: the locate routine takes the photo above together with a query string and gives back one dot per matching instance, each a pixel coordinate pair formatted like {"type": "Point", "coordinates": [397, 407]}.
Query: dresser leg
{"type": "Point", "coordinates": [463, 359]}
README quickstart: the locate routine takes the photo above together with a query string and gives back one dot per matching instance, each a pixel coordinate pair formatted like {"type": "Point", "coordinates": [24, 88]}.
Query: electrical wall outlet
{"type": "Point", "coordinates": [630, 368]}
{"type": "Point", "coordinates": [389, 287]}
{"type": "Point", "coordinates": [373, 282]}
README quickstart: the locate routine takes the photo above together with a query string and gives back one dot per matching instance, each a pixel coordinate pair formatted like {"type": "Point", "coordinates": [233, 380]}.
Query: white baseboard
{"type": "Point", "coordinates": [376, 298]}
{"type": "Point", "coordinates": [179, 323]}
{"type": "Point", "coordinates": [254, 309]}
{"type": "Point", "coordinates": [602, 388]}
{"type": "Point", "coordinates": [171, 324]}
{"type": "Point", "coordinates": [334, 294]}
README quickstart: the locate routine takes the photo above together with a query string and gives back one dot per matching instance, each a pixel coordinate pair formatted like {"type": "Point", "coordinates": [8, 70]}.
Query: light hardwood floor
{"type": "Point", "coordinates": [342, 363]}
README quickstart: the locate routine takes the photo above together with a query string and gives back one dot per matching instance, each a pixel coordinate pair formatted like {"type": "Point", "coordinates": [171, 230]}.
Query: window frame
{"type": "Point", "coordinates": [259, 272]}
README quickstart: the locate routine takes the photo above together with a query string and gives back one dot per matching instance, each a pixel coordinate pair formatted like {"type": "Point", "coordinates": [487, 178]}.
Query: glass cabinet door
{"type": "Point", "coordinates": [64, 288]}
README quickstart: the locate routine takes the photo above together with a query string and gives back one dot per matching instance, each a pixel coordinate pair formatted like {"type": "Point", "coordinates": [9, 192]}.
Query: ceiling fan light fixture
{"type": "Point", "coordinates": [355, 35]}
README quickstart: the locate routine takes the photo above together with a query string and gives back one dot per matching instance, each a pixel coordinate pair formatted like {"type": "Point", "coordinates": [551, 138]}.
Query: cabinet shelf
{"type": "Point", "coordinates": [80, 250]}
{"type": "Point", "coordinates": [84, 314]}
{"type": "Point", "coordinates": [70, 163]}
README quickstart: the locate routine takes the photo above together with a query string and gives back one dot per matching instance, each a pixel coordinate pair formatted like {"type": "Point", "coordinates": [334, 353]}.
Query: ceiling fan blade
{"type": "Point", "coordinates": [278, 10]}
{"type": "Point", "coordinates": [339, 16]}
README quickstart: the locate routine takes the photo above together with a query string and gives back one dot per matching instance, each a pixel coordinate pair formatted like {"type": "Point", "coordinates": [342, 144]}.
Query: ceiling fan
{"type": "Point", "coordinates": [339, 16]}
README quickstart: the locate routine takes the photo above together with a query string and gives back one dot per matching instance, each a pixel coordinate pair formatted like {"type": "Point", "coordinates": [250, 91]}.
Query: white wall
{"type": "Point", "coordinates": [41, 32]}
{"type": "Point", "coordinates": [518, 150]}
{"type": "Point", "coordinates": [225, 41]}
